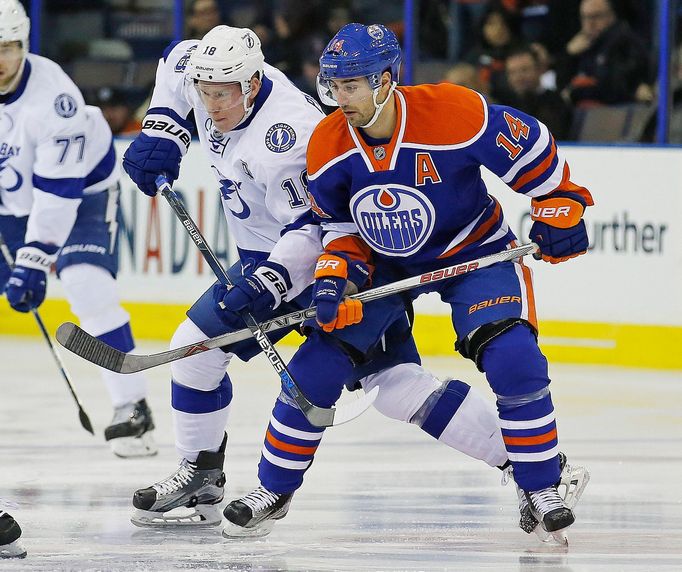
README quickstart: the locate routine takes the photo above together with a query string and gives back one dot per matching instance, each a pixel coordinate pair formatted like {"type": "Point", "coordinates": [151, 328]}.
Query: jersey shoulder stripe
{"type": "Point", "coordinates": [330, 141]}
{"type": "Point", "coordinates": [443, 115]}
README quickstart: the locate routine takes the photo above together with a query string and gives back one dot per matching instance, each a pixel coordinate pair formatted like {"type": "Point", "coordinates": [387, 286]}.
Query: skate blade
{"type": "Point", "coordinates": [13, 550]}
{"type": "Point", "coordinates": [236, 532]}
{"type": "Point", "coordinates": [195, 517]}
{"type": "Point", "coordinates": [131, 447]}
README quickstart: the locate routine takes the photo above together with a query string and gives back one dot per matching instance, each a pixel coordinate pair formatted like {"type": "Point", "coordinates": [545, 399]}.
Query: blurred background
{"type": "Point", "coordinates": [604, 75]}
{"type": "Point", "coordinates": [592, 70]}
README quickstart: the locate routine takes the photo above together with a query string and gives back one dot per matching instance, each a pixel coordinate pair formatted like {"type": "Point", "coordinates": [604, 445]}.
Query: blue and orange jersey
{"type": "Point", "coordinates": [419, 198]}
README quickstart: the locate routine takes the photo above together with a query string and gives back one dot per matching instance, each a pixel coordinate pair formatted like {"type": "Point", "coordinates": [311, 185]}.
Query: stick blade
{"type": "Point", "coordinates": [85, 421]}
{"type": "Point", "coordinates": [89, 348]}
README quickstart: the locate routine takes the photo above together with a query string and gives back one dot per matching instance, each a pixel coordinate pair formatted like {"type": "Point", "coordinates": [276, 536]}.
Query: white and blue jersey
{"type": "Point", "coordinates": [259, 165]}
{"type": "Point", "coordinates": [56, 158]}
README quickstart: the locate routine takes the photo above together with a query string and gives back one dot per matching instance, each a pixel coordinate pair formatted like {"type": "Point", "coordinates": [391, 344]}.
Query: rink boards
{"type": "Point", "coordinates": [617, 305]}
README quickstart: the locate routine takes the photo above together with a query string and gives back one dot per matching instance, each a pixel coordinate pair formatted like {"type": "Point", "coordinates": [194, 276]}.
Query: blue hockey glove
{"type": "Point", "coordinates": [28, 281]}
{"type": "Point", "coordinates": [558, 227]}
{"type": "Point", "coordinates": [263, 289]}
{"type": "Point", "coordinates": [147, 158]}
{"type": "Point", "coordinates": [337, 276]}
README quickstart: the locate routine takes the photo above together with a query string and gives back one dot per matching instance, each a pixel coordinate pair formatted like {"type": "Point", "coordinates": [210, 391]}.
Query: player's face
{"type": "Point", "coordinates": [354, 97]}
{"type": "Point", "coordinates": [224, 103]}
{"type": "Point", "coordinates": [11, 56]}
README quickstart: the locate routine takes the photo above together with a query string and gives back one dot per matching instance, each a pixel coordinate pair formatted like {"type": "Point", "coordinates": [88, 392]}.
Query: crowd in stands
{"type": "Point", "coordinates": [568, 62]}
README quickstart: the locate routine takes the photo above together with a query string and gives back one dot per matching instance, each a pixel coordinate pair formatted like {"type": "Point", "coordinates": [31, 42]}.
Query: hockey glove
{"type": "Point", "coordinates": [264, 289]}
{"type": "Point", "coordinates": [147, 158]}
{"type": "Point", "coordinates": [28, 282]}
{"type": "Point", "coordinates": [337, 276]}
{"type": "Point", "coordinates": [558, 227]}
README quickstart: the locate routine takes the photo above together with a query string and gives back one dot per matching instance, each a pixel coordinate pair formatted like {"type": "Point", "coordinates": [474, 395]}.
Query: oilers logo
{"type": "Point", "coordinates": [394, 220]}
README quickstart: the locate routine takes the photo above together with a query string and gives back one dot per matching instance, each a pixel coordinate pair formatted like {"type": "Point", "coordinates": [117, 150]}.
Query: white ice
{"type": "Point", "coordinates": [380, 496]}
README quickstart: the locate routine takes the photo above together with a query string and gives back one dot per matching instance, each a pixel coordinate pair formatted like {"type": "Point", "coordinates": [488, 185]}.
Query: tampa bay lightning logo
{"type": "Point", "coordinates": [280, 138]}
{"type": "Point", "coordinates": [65, 105]}
{"type": "Point", "coordinates": [10, 179]}
{"type": "Point", "coordinates": [184, 60]}
{"type": "Point", "coordinates": [217, 141]}
{"type": "Point", "coordinates": [229, 190]}
{"type": "Point", "coordinates": [394, 219]}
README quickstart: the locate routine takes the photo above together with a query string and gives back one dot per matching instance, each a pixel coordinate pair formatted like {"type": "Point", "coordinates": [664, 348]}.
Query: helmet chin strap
{"type": "Point", "coordinates": [378, 107]}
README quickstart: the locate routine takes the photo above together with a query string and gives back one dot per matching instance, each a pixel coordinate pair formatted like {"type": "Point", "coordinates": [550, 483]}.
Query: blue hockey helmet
{"type": "Point", "coordinates": [361, 51]}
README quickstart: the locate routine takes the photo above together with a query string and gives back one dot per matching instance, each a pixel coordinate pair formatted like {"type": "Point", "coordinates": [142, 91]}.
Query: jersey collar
{"type": "Point", "coordinates": [16, 94]}
{"type": "Point", "coordinates": [263, 94]}
{"type": "Point", "coordinates": [382, 156]}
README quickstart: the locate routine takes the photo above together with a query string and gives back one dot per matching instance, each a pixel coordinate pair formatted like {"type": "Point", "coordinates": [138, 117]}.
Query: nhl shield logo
{"type": "Point", "coordinates": [379, 153]}
{"type": "Point", "coordinates": [394, 220]}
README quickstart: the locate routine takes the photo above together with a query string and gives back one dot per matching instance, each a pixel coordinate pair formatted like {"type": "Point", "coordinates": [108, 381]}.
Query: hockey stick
{"type": "Point", "coordinates": [82, 415]}
{"type": "Point", "coordinates": [318, 416]}
{"type": "Point", "coordinates": [90, 348]}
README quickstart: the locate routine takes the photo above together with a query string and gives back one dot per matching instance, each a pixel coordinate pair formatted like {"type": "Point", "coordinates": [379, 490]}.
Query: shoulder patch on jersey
{"type": "Point", "coordinates": [280, 138]}
{"type": "Point", "coordinates": [65, 105]}
{"type": "Point", "coordinates": [184, 60]}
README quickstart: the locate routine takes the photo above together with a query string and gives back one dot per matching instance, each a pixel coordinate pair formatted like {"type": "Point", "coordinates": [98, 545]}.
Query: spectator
{"type": "Point", "coordinates": [467, 75]}
{"type": "Point", "coordinates": [605, 62]}
{"type": "Point", "coordinates": [497, 38]}
{"type": "Point", "coordinates": [117, 110]}
{"type": "Point", "coordinates": [204, 15]}
{"type": "Point", "coordinates": [523, 71]}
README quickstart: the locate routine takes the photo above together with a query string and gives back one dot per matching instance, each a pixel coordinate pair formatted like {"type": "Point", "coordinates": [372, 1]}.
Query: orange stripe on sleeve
{"type": "Point", "coordinates": [353, 246]}
{"type": "Point", "coordinates": [537, 171]}
{"type": "Point", "coordinates": [473, 237]}
{"type": "Point", "coordinates": [282, 446]}
{"type": "Point", "coordinates": [536, 440]}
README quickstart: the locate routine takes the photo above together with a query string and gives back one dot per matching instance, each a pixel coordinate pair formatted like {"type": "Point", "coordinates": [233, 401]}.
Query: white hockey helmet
{"type": "Point", "coordinates": [226, 55]}
{"type": "Point", "coordinates": [14, 24]}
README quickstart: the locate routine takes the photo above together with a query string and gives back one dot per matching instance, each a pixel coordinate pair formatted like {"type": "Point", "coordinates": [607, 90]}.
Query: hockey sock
{"type": "Point", "coordinates": [517, 373]}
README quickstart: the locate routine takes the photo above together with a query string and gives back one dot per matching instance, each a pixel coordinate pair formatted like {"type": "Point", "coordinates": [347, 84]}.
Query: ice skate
{"type": "Point", "coordinates": [254, 515]}
{"type": "Point", "coordinates": [10, 533]}
{"type": "Point", "coordinates": [570, 487]}
{"type": "Point", "coordinates": [130, 432]}
{"type": "Point", "coordinates": [188, 497]}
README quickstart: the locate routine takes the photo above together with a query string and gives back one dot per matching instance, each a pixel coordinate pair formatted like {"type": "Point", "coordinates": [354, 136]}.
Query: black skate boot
{"type": "Point", "coordinates": [255, 514]}
{"type": "Point", "coordinates": [130, 431]}
{"type": "Point", "coordinates": [188, 497]}
{"type": "Point", "coordinates": [570, 487]}
{"type": "Point", "coordinates": [10, 532]}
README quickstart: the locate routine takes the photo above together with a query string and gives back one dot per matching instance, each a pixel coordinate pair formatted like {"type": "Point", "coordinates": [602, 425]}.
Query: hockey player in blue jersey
{"type": "Point", "coordinates": [59, 206]}
{"type": "Point", "coordinates": [253, 126]}
{"type": "Point", "coordinates": [395, 182]}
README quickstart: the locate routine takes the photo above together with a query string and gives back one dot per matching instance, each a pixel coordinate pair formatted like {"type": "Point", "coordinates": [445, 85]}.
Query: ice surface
{"type": "Point", "coordinates": [380, 495]}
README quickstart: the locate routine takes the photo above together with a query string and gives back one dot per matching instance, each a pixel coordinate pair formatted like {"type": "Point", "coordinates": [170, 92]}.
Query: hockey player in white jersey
{"type": "Point", "coordinates": [253, 126]}
{"type": "Point", "coordinates": [59, 198]}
